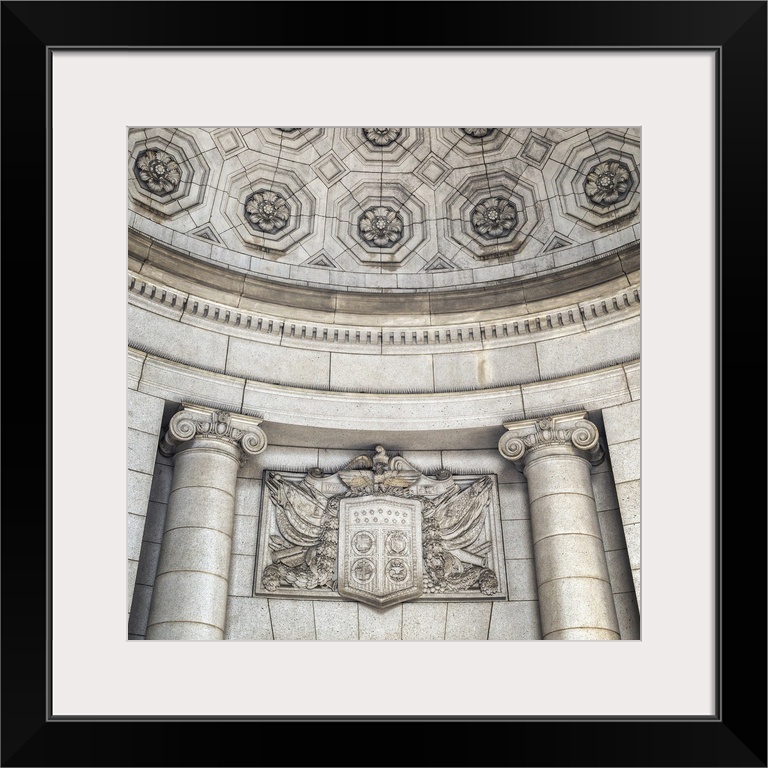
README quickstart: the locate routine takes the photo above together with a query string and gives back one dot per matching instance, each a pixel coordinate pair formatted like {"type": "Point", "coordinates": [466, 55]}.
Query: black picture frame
{"type": "Point", "coordinates": [736, 735]}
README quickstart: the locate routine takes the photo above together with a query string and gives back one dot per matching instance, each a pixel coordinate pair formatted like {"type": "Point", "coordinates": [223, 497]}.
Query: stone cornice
{"type": "Point", "coordinates": [198, 422]}
{"type": "Point", "coordinates": [404, 339]}
{"type": "Point", "coordinates": [524, 439]}
{"type": "Point", "coordinates": [158, 262]}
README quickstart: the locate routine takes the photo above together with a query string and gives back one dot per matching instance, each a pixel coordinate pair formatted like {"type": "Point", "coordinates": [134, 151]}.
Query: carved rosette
{"type": "Point", "coordinates": [608, 183]}
{"type": "Point", "coordinates": [157, 172]}
{"type": "Point", "coordinates": [267, 211]}
{"type": "Point", "coordinates": [494, 217]}
{"type": "Point", "coordinates": [524, 439]}
{"type": "Point", "coordinates": [478, 133]}
{"type": "Point", "coordinates": [382, 227]}
{"type": "Point", "coordinates": [195, 423]}
{"type": "Point", "coordinates": [381, 137]}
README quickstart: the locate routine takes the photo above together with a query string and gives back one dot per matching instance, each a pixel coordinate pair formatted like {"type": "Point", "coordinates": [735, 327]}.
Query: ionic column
{"type": "Point", "coordinates": [575, 596]}
{"type": "Point", "coordinates": [189, 601]}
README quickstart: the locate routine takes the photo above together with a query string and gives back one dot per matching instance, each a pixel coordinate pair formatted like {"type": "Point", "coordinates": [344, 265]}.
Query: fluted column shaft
{"type": "Point", "coordinates": [189, 601]}
{"type": "Point", "coordinates": [575, 595]}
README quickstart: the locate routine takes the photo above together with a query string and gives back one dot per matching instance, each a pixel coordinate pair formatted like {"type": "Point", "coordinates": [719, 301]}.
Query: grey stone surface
{"type": "Point", "coordinates": [563, 513]}
{"type": "Point", "coordinates": [135, 364]}
{"type": "Point", "coordinates": [513, 498]}
{"type": "Point", "coordinates": [335, 620]}
{"type": "Point", "coordinates": [138, 492]}
{"type": "Point", "coordinates": [481, 461]}
{"type": "Point", "coordinates": [600, 347]}
{"type": "Point", "coordinates": [142, 596]}
{"type": "Point", "coordinates": [632, 537]}
{"type": "Point", "coordinates": [145, 412]}
{"type": "Point", "coordinates": [632, 372]}
{"type": "Point", "coordinates": [515, 621]}
{"type": "Point", "coordinates": [577, 603]}
{"type": "Point", "coordinates": [424, 621]}
{"type": "Point", "coordinates": [604, 491]}
{"type": "Point", "coordinates": [622, 422]}
{"type": "Point", "coordinates": [248, 619]}
{"type": "Point", "coordinates": [241, 575]}
{"type": "Point", "coordinates": [467, 621]}
{"type": "Point", "coordinates": [133, 566]}
{"type": "Point", "coordinates": [395, 373]}
{"type": "Point", "coordinates": [485, 368]}
{"type": "Point", "coordinates": [612, 530]}
{"type": "Point", "coordinates": [628, 615]}
{"type": "Point", "coordinates": [153, 528]}
{"type": "Point", "coordinates": [248, 496]}
{"type": "Point", "coordinates": [150, 554]}
{"type": "Point", "coordinates": [380, 624]}
{"type": "Point", "coordinates": [295, 367]}
{"type": "Point", "coordinates": [292, 619]}
{"type": "Point", "coordinates": [176, 340]}
{"type": "Point", "coordinates": [186, 630]}
{"type": "Point", "coordinates": [517, 539]}
{"type": "Point", "coordinates": [629, 501]}
{"type": "Point", "coordinates": [196, 507]}
{"type": "Point", "coordinates": [521, 580]}
{"type": "Point", "coordinates": [142, 448]}
{"type": "Point", "coordinates": [244, 535]}
{"type": "Point", "coordinates": [562, 475]}
{"type": "Point", "coordinates": [161, 483]}
{"type": "Point", "coordinates": [188, 596]}
{"type": "Point", "coordinates": [176, 382]}
{"type": "Point", "coordinates": [625, 460]}
{"type": "Point", "coordinates": [135, 535]}
{"type": "Point", "coordinates": [279, 457]}
{"type": "Point", "coordinates": [570, 556]}
{"type": "Point", "coordinates": [195, 549]}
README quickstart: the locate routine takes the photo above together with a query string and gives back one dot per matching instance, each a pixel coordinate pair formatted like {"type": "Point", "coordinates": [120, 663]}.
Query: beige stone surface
{"type": "Point", "coordinates": [628, 494]}
{"type": "Point", "coordinates": [197, 507]}
{"type": "Point", "coordinates": [563, 513]}
{"type": "Point", "coordinates": [515, 621]}
{"type": "Point", "coordinates": [424, 621]}
{"type": "Point", "coordinates": [517, 539]}
{"type": "Point", "coordinates": [248, 619]}
{"type": "Point", "coordinates": [188, 596]}
{"type": "Point", "coordinates": [292, 619]}
{"type": "Point", "coordinates": [335, 620]}
{"type": "Point", "coordinates": [577, 604]}
{"type": "Point", "coordinates": [380, 624]}
{"type": "Point", "coordinates": [521, 580]}
{"type": "Point", "coordinates": [625, 460]}
{"type": "Point", "coordinates": [570, 556]}
{"type": "Point", "coordinates": [195, 549]}
{"type": "Point", "coordinates": [622, 422]}
{"type": "Point", "coordinates": [467, 621]}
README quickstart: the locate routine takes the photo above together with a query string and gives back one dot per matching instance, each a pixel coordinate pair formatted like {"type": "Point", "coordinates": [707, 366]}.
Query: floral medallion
{"type": "Point", "coordinates": [157, 172]}
{"type": "Point", "coordinates": [494, 217]}
{"type": "Point", "coordinates": [381, 137]}
{"type": "Point", "coordinates": [267, 211]}
{"type": "Point", "coordinates": [382, 227]}
{"type": "Point", "coordinates": [608, 183]}
{"type": "Point", "coordinates": [478, 133]}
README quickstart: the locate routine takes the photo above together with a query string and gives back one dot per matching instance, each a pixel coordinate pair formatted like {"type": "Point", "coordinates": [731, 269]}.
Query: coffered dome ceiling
{"type": "Point", "coordinates": [388, 209]}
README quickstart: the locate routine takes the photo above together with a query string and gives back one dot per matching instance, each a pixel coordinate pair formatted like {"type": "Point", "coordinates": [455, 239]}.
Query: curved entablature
{"type": "Point", "coordinates": [158, 265]}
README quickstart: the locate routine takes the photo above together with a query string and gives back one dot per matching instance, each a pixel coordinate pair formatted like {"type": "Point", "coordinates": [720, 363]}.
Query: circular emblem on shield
{"type": "Point", "coordinates": [397, 570]}
{"type": "Point", "coordinates": [397, 543]}
{"type": "Point", "coordinates": [363, 542]}
{"type": "Point", "coordinates": [363, 569]}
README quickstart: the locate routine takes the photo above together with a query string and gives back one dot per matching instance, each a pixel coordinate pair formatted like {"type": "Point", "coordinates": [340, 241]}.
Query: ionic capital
{"type": "Point", "coordinates": [195, 422]}
{"type": "Point", "coordinates": [526, 439]}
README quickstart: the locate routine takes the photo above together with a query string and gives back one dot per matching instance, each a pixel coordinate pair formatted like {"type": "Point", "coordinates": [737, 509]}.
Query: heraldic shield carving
{"type": "Point", "coordinates": [381, 532]}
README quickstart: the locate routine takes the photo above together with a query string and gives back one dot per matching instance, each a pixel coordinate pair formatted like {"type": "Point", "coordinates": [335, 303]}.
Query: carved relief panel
{"type": "Point", "coordinates": [381, 532]}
